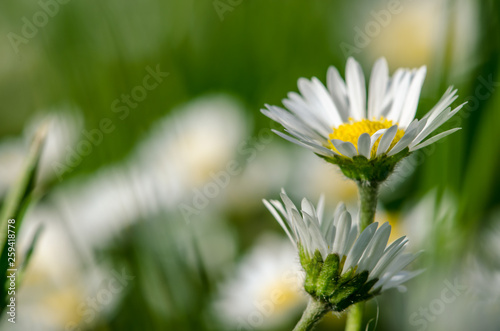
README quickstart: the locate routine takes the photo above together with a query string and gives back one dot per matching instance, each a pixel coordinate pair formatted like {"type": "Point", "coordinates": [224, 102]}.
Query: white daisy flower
{"type": "Point", "coordinates": [266, 290]}
{"type": "Point", "coordinates": [62, 131]}
{"type": "Point", "coordinates": [54, 291]}
{"type": "Point", "coordinates": [342, 267]}
{"type": "Point", "coordinates": [339, 124]}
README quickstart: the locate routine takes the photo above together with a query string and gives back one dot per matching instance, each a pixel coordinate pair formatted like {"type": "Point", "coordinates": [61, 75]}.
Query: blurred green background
{"type": "Point", "coordinates": [132, 203]}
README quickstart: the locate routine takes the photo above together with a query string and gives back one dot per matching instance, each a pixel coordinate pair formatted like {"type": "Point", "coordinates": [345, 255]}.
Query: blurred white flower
{"type": "Point", "coordinates": [272, 166]}
{"type": "Point", "coordinates": [58, 281]}
{"type": "Point", "coordinates": [63, 129]}
{"type": "Point", "coordinates": [266, 290]}
{"type": "Point", "coordinates": [484, 264]}
{"type": "Point", "coordinates": [321, 178]}
{"type": "Point", "coordinates": [195, 140]}
{"type": "Point", "coordinates": [418, 32]}
{"type": "Point", "coordinates": [477, 299]}
{"type": "Point", "coordinates": [426, 216]}
{"type": "Point", "coordinates": [179, 154]}
{"type": "Point", "coordinates": [83, 213]}
{"type": "Point", "coordinates": [471, 291]}
{"type": "Point", "coordinates": [418, 27]}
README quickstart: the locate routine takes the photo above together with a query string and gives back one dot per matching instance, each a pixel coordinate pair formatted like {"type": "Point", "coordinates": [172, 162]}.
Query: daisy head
{"type": "Point", "coordinates": [266, 289]}
{"type": "Point", "coordinates": [342, 266]}
{"type": "Point", "coordinates": [366, 138]}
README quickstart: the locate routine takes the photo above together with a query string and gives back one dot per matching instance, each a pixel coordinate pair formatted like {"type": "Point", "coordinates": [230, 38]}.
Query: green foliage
{"type": "Point", "coordinates": [16, 203]}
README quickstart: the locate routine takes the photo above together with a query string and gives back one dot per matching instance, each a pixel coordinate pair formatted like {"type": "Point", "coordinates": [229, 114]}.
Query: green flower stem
{"type": "Point", "coordinates": [368, 197]}
{"type": "Point", "coordinates": [312, 315]}
{"type": "Point", "coordinates": [355, 318]}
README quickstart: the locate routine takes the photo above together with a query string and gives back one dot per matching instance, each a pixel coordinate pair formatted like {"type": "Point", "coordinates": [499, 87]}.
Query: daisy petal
{"type": "Point", "coordinates": [389, 254]}
{"type": "Point", "coordinates": [280, 221]}
{"type": "Point", "coordinates": [314, 147]}
{"type": "Point", "coordinates": [375, 249]}
{"type": "Point", "coordinates": [297, 105]}
{"type": "Point", "coordinates": [410, 106]}
{"type": "Point", "coordinates": [364, 145]}
{"type": "Point", "coordinates": [359, 246]}
{"type": "Point", "coordinates": [338, 211]}
{"type": "Point", "coordinates": [307, 207]}
{"type": "Point", "coordinates": [443, 103]}
{"type": "Point", "coordinates": [320, 207]}
{"type": "Point", "coordinates": [338, 92]}
{"type": "Point", "coordinates": [400, 262]}
{"type": "Point", "coordinates": [378, 86]}
{"type": "Point", "coordinates": [352, 238]}
{"type": "Point", "coordinates": [393, 85]}
{"type": "Point", "coordinates": [401, 277]}
{"type": "Point", "coordinates": [399, 98]}
{"type": "Point", "coordinates": [387, 139]}
{"type": "Point", "coordinates": [346, 148]}
{"type": "Point", "coordinates": [410, 134]}
{"type": "Point", "coordinates": [330, 233]}
{"type": "Point", "coordinates": [375, 137]}
{"type": "Point", "coordinates": [318, 239]}
{"type": "Point", "coordinates": [290, 122]}
{"type": "Point", "coordinates": [356, 89]}
{"type": "Point", "coordinates": [329, 108]}
{"type": "Point", "coordinates": [342, 235]}
{"type": "Point", "coordinates": [434, 139]}
{"type": "Point", "coordinates": [436, 123]}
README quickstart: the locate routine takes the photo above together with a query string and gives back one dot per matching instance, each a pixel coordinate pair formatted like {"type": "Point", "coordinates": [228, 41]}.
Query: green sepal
{"type": "Point", "coordinates": [324, 282]}
{"type": "Point", "coordinates": [313, 270]}
{"type": "Point", "coordinates": [303, 256]}
{"type": "Point", "coordinates": [361, 294]}
{"type": "Point", "coordinates": [329, 276]}
{"type": "Point", "coordinates": [368, 286]}
{"type": "Point", "coordinates": [347, 276]}
{"type": "Point", "coordinates": [347, 289]}
{"type": "Point", "coordinates": [360, 168]}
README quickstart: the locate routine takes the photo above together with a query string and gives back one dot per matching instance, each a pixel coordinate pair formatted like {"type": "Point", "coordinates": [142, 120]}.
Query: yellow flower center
{"type": "Point", "coordinates": [283, 295]}
{"type": "Point", "coordinates": [352, 130]}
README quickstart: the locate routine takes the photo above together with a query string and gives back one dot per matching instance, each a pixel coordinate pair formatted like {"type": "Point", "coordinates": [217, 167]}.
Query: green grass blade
{"type": "Point", "coordinates": [16, 204]}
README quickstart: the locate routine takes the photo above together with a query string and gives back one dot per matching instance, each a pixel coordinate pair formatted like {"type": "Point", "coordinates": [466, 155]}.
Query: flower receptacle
{"type": "Point", "coordinates": [325, 281]}
{"type": "Point", "coordinates": [360, 168]}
